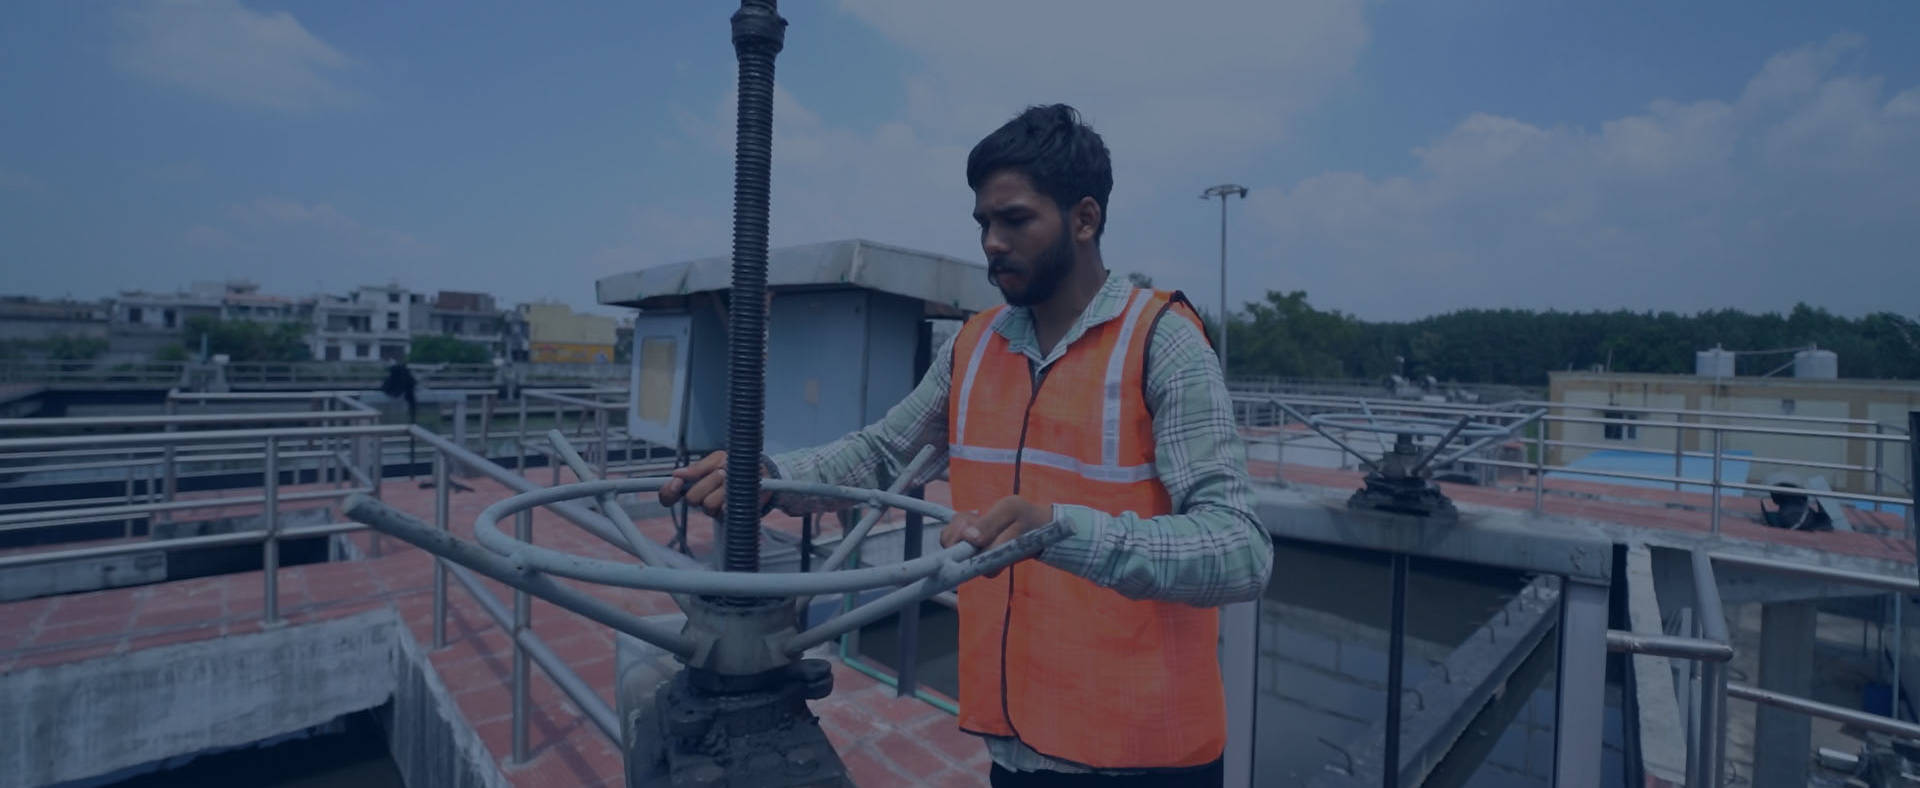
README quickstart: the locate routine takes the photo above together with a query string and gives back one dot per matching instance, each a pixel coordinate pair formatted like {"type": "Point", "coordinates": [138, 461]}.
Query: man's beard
{"type": "Point", "coordinates": [1043, 276]}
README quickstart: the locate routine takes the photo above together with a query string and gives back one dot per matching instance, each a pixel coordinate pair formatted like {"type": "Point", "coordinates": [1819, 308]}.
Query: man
{"type": "Point", "coordinates": [1087, 401]}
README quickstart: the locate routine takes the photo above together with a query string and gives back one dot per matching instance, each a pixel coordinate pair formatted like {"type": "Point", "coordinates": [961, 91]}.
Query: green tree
{"type": "Point", "coordinates": [248, 340]}
{"type": "Point", "coordinates": [445, 349]}
{"type": "Point", "coordinates": [172, 352]}
{"type": "Point", "coordinates": [71, 348]}
{"type": "Point", "coordinates": [1284, 335]}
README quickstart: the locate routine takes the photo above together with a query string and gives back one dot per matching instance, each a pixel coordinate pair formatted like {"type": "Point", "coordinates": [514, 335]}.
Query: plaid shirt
{"type": "Point", "coordinates": [1212, 551]}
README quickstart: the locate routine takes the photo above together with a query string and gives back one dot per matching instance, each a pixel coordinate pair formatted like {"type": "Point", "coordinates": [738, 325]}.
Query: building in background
{"type": "Point", "coordinates": [1813, 390]}
{"type": "Point", "coordinates": [469, 317]}
{"type": "Point", "coordinates": [558, 335]}
{"type": "Point", "coordinates": [33, 328]}
{"type": "Point", "coordinates": [373, 322]}
{"type": "Point", "coordinates": [143, 323]}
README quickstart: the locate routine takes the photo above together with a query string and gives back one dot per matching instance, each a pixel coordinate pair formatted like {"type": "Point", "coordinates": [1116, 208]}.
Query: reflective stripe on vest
{"type": "Point", "coordinates": [1089, 676]}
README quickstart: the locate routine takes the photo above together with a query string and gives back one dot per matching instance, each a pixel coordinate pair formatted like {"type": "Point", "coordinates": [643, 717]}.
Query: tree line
{"type": "Point", "coordinates": [1283, 335]}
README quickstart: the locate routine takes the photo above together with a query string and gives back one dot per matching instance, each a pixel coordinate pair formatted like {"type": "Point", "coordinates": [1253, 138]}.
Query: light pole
{"type": "Point", "coordinates": [1222, 191]}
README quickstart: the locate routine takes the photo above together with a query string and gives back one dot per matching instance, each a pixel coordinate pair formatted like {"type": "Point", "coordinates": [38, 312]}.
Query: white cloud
{"type": "Point", "coordinates": [201, 236]}
{"type": "Point", "coordinates": [222, 50]}
{"type": "Point", "coordinates": [1802, 188]}
{"type": "Point", "coordinates": [289, 235]}
{"type": "Point", "coordinates": [1798, 187]}
{"type": "Point", "coordinates": [656, 235]}
{"type": "Point", "coordinates": [1204, 79]}
{"type": "Point", "coordinates": [1173, 94]}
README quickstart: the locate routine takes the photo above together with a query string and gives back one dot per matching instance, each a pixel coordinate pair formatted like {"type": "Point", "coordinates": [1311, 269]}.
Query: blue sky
{"type": "Point", "coordinates": [1404, 158]}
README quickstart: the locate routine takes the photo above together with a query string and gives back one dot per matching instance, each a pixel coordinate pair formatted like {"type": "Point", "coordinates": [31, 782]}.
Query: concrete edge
{"type": "Point", "coordinates": [93, 717]}
{"type": "Point", "coordinates": [1662, 733]}
{"type": "Point", "coordinates": [425, 729]}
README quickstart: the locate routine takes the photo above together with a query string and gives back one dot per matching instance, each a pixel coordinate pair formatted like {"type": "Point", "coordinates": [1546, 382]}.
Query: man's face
{"type": "Point", "coordinates": [1024, 235]}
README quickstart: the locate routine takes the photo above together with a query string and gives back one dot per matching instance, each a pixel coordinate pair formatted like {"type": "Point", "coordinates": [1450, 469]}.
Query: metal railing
{"type": "Point", "coordinates": [269, 501]}
{"type": "Point", "coordinates": [311, 374]}
{"type": "Point", "coordinates": [1716, 434]}
{"type": "Point", "coordinates": [1708, 648]}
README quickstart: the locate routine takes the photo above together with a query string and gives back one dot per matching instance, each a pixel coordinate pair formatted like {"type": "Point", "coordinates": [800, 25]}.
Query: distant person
{"type": "Point", "coordinates": [400, 385]}
{"type": "Point", "coordinates": [1092, 402]}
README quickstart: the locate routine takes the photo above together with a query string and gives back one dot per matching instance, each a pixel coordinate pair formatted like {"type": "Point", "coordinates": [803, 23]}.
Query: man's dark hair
{"type": "Point", "coordinates": [1065, 159]}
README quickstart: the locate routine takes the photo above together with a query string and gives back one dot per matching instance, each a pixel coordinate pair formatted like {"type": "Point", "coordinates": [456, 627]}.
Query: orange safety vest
{"type": "Point", "coordinates": [1076, 671]}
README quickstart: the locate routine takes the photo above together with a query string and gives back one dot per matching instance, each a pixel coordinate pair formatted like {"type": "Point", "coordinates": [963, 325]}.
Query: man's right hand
{"type": "Point", "coordinates": [704, 485]}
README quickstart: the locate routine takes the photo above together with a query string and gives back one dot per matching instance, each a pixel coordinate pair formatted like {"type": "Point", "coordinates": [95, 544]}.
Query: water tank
{"type": "Point", "coordinates": [1715, 363]}
{"type": "Point", "coordinates": [1816, 364]}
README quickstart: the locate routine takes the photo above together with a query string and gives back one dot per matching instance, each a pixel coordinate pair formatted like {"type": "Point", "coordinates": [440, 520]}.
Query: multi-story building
{"type": "Point", "coordinates": [557, 334]}
{"type": "Point", "coordinates": [31, 325]}
{"type": "Point", "coordinates": [142, 323]}
{"type": "Point", "coordinates": [469, 317]}
{"type": "Point", "coordinates": [372, 322]}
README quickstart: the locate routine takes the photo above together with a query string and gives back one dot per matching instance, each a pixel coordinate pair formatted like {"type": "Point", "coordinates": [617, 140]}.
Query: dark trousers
{"type": "Point", "coordinates": [1209, 776]}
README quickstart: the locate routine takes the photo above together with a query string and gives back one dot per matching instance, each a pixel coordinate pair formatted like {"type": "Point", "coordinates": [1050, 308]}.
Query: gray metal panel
{"type": "Point", "coordinates": [815, 342]}
{"type": "Point", "coordinates": [707, 400]}
{"type": "Point", "coordinates": [924, 276]}
{"type": "Point", "coordinates": [893, 334]}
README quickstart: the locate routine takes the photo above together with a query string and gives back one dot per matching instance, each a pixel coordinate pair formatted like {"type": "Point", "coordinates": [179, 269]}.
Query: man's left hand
{"type": "Point", "coordinates": [1003, 522]}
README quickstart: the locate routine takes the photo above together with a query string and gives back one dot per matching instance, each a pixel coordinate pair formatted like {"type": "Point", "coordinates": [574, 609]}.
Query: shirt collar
{"type": "Point", "coordinates": [1107, 304]}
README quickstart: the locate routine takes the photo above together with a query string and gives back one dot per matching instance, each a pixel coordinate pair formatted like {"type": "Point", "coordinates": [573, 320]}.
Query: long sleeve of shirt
{"type": "Point", "coordinates": [1211, 551]}
{"type": "Point", "coordinates": [875, 455]}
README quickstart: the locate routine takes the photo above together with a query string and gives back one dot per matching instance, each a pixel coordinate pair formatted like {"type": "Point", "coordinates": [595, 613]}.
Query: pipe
{"type": "Point", "coordinates": [528, 558]}
{"type": "Point", "coordinates": [859, 532]}
{"type": "Point", "coordinates": [1905, 584]}
{"type": "Point", "coordinates": [758, 35]}
{"type": "Point", "coordinates": [1696, 649]}
{"type": "Point", "coordinates": [648, 550]}
{"type": "Point", "coordinates": [1706, 591]}
{"type": "Point", "coordinates": [168, 420]}
{"type": "Point", "coordinates": [407, 528]}
{"type": "Point", "coordinates": [563, 676]}
{"type": "Point", "coordinates": [1873, 722]}
{"type": "Point", "coordinates": [575, 513]}
{"type": "Point", "coordinates": [163, 438]}
{"type": "Point", "coordinates": [964, 566]}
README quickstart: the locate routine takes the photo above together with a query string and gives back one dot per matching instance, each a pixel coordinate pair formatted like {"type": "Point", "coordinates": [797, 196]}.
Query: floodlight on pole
{"type": "Point", "coordinates": [1222, 191]}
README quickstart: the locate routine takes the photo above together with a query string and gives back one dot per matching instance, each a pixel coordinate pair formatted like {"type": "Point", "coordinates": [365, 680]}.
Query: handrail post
{"type": "Point", "coordinates": [604, 449]}
{"type": "Point", "coordinates": [522, 620]}
{"type": "Point", "coordinates": [1679, 452]}
{"type": "Point", "coordinates": [520, 446]}
{"type": "Point", "coordinates": [1540, 467]}
{"type": "Point", "coordinates": [908, 681]}
{"type": "Point", "coordinates": [126, 526]}
{"type": "Point", "coordinates": [486, 422]}
{"type": "Point", "coordinates": [173, 479]}
{"type": "Point", "coordinates": [460, 422]}
{"type": "Point", "coordinates": [440, 507]}
{"type": "Point", "coordinates": [1899, 645]}
{"type": "Point", "coordinates": [1913, 479]}
{"type": "Point", "coordinates": [270, 563]}
{"type": "Point", "coordinates": [1718, 449]}
{"type": "Point", "coordinates": [1879, 462]}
